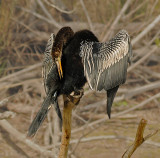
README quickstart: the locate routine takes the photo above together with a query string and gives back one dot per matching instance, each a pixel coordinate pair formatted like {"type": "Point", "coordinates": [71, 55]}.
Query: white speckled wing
{"type": "Point", "coordinates": [47, 61]}
{"type": "Point", "coordinates": [105, 64]}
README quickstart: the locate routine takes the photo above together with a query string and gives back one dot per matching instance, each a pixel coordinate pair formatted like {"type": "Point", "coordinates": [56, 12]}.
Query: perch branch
{"type": "Point", "coordinates": [66, 129]}
{"type": "Point", "coordinates": [69, 104]}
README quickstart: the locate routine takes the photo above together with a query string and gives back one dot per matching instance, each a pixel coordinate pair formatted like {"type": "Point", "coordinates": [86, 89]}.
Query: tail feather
{"type": "Point", "coordinates": [56, 106]}
{"type": "Point", "coordinates": [41, 115]}
{"type": "Point", "coordinates": [110, 97]}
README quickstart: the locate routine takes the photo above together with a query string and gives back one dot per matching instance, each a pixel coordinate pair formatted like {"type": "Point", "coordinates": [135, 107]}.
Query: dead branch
{"type": "Point", "coordinates": [150, 72]}
{"type": "Point", "coordinates": [87, 15]}
{"type": "Point", "coordinates": [19, 83]}
{"type": "Point", "coordinates": [117, 114]}
{"type": "Point", "coordinates": [146, 30]}
{"type": "Point", "coordinates": [21, 72]}
{"type": "Point", "coordinates": [139, 139]}
{"type": "Point", "coordinates": [125, 17]}
{"type": "Point", "coordinates": [37, 33]}
{"type": "Point", "coordinates": [59, 9]}
{"type": "Point", "coordinates": [7, 115]}
{"type": "Point", "coordinates": [19, 136]}
{"type": "Point", "coordinates": [126, 94]}
{"type": "Point", "coordinates": [142, 59]}
{"type": "Point", "coordinates": [6, 136]}
{"type": "Point", "coordinates": [4, 101]}
{"type": "Point", "coordinates": [102, 137]}
{"type": "Point", "coordinates": [52, 22]}
{"type": "Point", "coordinates": [44, 9]}
{"type": "Point", "coordinates": [112, 27]}
{"type": "Point", "coordinates": [142, 89]}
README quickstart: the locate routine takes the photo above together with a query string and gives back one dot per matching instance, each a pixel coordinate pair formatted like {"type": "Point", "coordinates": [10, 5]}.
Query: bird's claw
{"type": "Point", "coordinates": [75, 96]}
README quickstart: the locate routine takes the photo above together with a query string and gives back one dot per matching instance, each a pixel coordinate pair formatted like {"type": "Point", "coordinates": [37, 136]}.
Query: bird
{"type": "Point", "coordinates": [62, 70]}
{"type": "Point", "coordinates": [72, 59]}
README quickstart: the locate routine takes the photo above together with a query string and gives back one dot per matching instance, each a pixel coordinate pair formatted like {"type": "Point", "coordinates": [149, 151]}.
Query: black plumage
{"type": "Point", "coordinates": [65, 45]}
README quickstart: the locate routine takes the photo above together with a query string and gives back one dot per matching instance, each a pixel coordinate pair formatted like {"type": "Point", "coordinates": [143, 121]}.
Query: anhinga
{"type": "Point", "coordinates": [72, 59]}
{"type": "Point", "coordinates": [62, 70]}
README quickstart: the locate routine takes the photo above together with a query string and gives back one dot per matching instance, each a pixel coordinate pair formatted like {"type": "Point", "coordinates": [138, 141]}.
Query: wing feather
{"type": "Point", "coordinates": [105, 64]}
{"type": "Point", "coordinates": [47, 61]}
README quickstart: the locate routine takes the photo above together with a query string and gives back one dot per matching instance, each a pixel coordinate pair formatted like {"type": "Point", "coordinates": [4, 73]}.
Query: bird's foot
{"type": "Point", "coordinates": [75, 96]}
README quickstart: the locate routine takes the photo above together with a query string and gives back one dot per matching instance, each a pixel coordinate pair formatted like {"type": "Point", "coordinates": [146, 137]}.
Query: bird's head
{"type": "Point", "coordinates": [62, 38]}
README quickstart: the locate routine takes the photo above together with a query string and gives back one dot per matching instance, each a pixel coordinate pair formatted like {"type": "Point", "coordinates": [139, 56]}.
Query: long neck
{"type": "Point", "coordinates": [61, 39]}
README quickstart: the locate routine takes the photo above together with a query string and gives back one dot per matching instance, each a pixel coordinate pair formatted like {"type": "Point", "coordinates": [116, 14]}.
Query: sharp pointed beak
{"type": "Point", "coordinates": [59, 67]}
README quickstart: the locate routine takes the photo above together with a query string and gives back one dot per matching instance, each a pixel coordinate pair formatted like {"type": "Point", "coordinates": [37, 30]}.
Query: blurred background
{"type": "Point", "coordinates": [25, 27]}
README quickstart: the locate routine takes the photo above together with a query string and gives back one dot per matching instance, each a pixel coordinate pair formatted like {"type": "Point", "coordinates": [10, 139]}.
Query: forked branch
{"type": "Point", "coordinates": [139, 139]}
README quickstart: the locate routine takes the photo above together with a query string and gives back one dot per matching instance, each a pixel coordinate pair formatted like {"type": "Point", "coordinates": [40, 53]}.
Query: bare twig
{"type": "Point", "coordinates": [146, 30]}
{"type": "Point", "coordinates": [6, 115]}
{"type": "Point", "coordinates": [126, 94]}
{"type": "Point", "coordinates": [102, 137]}
{"type": "Point", "coordinates": [142, 59]}
{"type": "Point", "coordinates": [26, 26]}
{"type": "Point", "coordinates": [79, 140]}
{"type": "Point", "coordinates": [139, 139]}
{"type": "Point", "coordinates": [53, 22]}
{"type": "Point", "coordinates": [102, 102]}
{"type": "Point", "coordinates": [4, 101]}
{"type": "Point", "coordinates": [153, 7]}
{"type": "Point", "coordinates": [150, 72]}
{"type": "Point", "coordinates": [6, 136]}
{"type": "Point", "coordinates": [59, 9]}
{"type": "Point", "coordinates": [134, 10]}
{"type": "Point", "coordinates": [18, 84]}
{"type": "Point", "coordinates": [142, 89]}
{"type": "Point", "coordinates": [44, 9]}
{"type": "Point", "coordinates": [19, 136]}
{"type": "Point", "coordinates": [112, 27]}
{"type": "Point", "coordinates": [118, 114]}
{"type": "Point", "coordinates": [23, 71]}
{"type": "Point", "coordinates": [87, 15]}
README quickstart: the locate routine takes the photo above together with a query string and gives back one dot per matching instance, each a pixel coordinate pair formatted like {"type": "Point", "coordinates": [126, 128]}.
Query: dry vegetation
{"type": "Point", "coordinates": [24, 29]}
